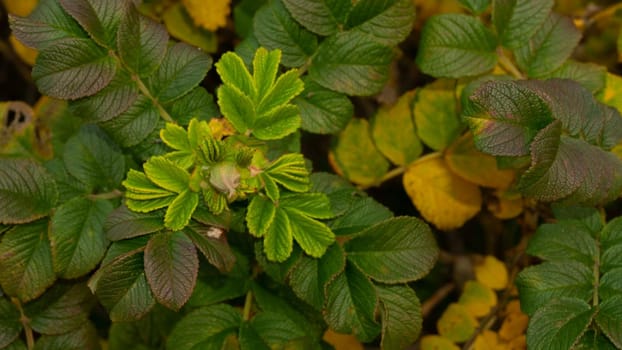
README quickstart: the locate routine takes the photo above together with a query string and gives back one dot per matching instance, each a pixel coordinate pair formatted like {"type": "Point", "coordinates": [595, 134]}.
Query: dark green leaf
{"type": "Point", "coordinates": [323, 17]}
{"type": "Point", "coordinates": [587, 217]}
{"type": "Point", "coordinates": [278, 271]}
{"type": "Point", "coordinates": [148, 333]}
{"type": "Point", "coordinates": [205, 328]}
{"type": "Point", "coordinates": [108, 103]}
{"type": "Point", "coordinates": [243, 14]}
{"type": "Point", "coordinates": [212, 242]}
{"type": "Point", "coordinates": [26, 267]}
{"type": "Point", "coordinates": [361, 213]}
{"type": "Point", "coordinates": [476, 6]}
{"type": "Point", "coordinates": [94, 160]}
{"type": "Point", "coordinates": [309, 276]}
{"type": "Point", "coordinates": [83, 338]}
{"type": "Point", "coordinates": [250, 339]}
{"type": "Point", "coordinates": [276, 29]}
{"type": "Point", "coordinates": [99, 18]}
{"type": "Point", "coordinates": [61, 309]}
{"type": "Point", "coordinates": [563, 242]}
{"type": "Point", "coordinates": [182, 69]}
{"type": "Point", "coordinates": [539, 285]}
{"type": "Point", "coordinates": [550, 46]}
{"type": "Point", "coordinates": [47, 25]}
{"type": "Point", "coordinates": [123, 223]}
{"type": "Point", "coordinates": [278, 331]}
{"type": "Point", "coordinates": [517, 20]}
{"type": "Point", "coordinates": [77, 236]}
{"type": "Point", "coordinates": [141, 42]}
{"type": "Point", "coordinates": [121, 248]}
{"type": "Point", "coordinates": [591, 76]}
{"type": "Point", "coordinates": [16, 345]}
{"type": "Point", "coordinates": [456, 45]}
{"type": "Point", "coordinates": [171, 266]}
{"type": "Point", "coordinates": [197, 104]}
{"type": "Point", "coordinates": [73, 69]}
{"type": "Point", "coordinates": [559, 324]}
{"type": "Point", "coordinates": [387, 22]}
{"type": "Point", "coordinates": [401, 316]}
{"type": "Point", "coordinates": [397, 250]}
{"type": "Point", "coordinates": [10, 326]}
{"type": "Point", "coordinates": [593, 340]}
{"type": "Point", "coordinates": [609, 319]}
{"type": "Point", "coordinates": [610, 283]}
{"type": "Point", "coordinates": [351, 303]}
{"type": "Point", "coordinates": [611, 245]}
{"type": "Point", "coordinates": [349, 62]}
{"type": "Point", "coordinates": [134, 124]}
{"type": "Point", "coordinates": [323, 111]}
{"type": "Point", "coordinates": [123, 289]}
{"type": "Point", "coordinates": [27, 191]}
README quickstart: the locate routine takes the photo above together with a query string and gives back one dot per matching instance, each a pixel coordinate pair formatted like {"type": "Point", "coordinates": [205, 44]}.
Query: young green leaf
{"type": "Point", "coordinates": [323, 17]}
{"type": "Point", "coordinates": [350, 63]}
{"type": "Point", "coordinates": [10, 326]}
{"type": "Point", "coordinates": [182, 69]}
{"type": "Point", "coordinates": [456, 45]}
{"type": "Point", "coordinates": [61, 309]}
{"type": "Point", "coordinates": [26, 267]}
{"type": "Point", "coordinates": [559, 323]}
{"type": "Point", "coordinates": [47, 25]}
{"type": "Point", "coordinates": [517, 20]}
{"type": "Point", "coordinates": [141, 42]}
{"type": "Point", "coordinates": [278, 241]}
{"type": "Point", "coordinates": [123, 289]}
{"type": "Point", "coordinates": [355, 156]}
{"type": "Point", "coordinates": [397, 250]}
{"type": "Point", "coordinates": [401, 316]}
{"type": "Point", "coordinates": [323, 111]}
{"type": "Point", "coordinates": [180, 210]}
{"type": "Point", "coordinates": [167, 174]}
{"type": "Point", "coordinates": [351, 303]}
{"type": "Point", "coordinates": [208, 327]}
{"type": "Point", "coordinates": [92, 158]}
{"type": "Point", "coordinates": [290, 172]}
{"type": "Point", "coordinates": [27, 191]}
{"type": "Point", "coordinates": [309, 277]}
{"type": "Point", "coordinates": [275, 28]}
{"type": "Point", "coordinates": [371, 17]}
{"type": "Point", "coordinates": [260, 215]}
{"type": "Point", "coordinates": [549, 47]}
{"type": "Point", "coordinates": [73, 69]}
{"type": "Point", "coordinates": [313, 236]}
{"type": "Point", "coordinates": [77, 236]}
{"type": "Point", "coordinates": [171, 266]}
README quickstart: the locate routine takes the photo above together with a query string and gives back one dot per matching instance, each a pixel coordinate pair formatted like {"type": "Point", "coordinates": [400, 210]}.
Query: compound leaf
{"type": "Point", "coordinates": [397, 250]}
{"type": "Point", "coordinates": [27, 191]}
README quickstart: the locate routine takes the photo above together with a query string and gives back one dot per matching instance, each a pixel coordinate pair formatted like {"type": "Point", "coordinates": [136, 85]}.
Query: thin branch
{"type": "Point", "coordinates": [508, 65]}
{"type": "Point", "coordinates": [30, 338]}
{"type": "Point", "coordinates": [436, 298]}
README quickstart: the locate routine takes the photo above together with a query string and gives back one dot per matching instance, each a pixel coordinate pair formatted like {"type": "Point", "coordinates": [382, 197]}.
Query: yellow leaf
{"type": "Point", "coordinates": [487, 340]}
{"type": "Point", "coordinates": [342, 341]}
{"type": "Point", "coordinates": [456, 323]}
{"type": "Point", "coordinates": [24, 52]}
{"type": "Point", "coordinates": [505, 205]}
{"type": "Point", "coordinates": [443, 198]}
{"type": "Point", "coordinates": [435, 342]}
{"type": "Point", "coordinates": [515, 322]}
{"type": "Point", "coordinates": [394, 131]}
{"type": "Point", "coordinates": [20, 8]}
{"type": "Point", "coordinates": [612, 93]}
{"type": "Point", "coordinates": [519, 343]}
{"type": "Point", "coordinates": [181, 26]}
{"type": "Point", "coordinates": [467, 161]}
{"type": "Point", "coordinates": [477, 298]}
{"type": "Point", "coordinates": [220, 128]}
{"type": "Point", "coordinates": [210, 15]}
{"type": "Point", "coordinates": [492, 273]}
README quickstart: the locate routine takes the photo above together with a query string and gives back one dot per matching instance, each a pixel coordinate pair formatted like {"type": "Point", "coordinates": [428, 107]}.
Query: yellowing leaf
{"type": "Point", "coordinates": [210, 15]}
{"type": "Point", "coordinates": [355, 156]}
{"type": "Point", "coordinates": [220, 128]}
{"type": "Point", "coordinates": [477, 298]}
{"type": "Point", "coordinates": [505, 205]}
{"type": "Point", "coordinates": [434, 108]}
{"type": "Point", "coordinates": [519, 343]}
{"type": "Point", "coordinates": [515, 322]}
{"type": "Point", "coordinates": [443, 198]}
{"type": "Point", "coordinates": [435, 342]}
{"type": "Point", "coordinates": [181, 26]}
{"type": "Point", "coordinates": [467, 161]}
{"type": "Point", "coordinates": [487, 340]}
{"type": "Point", "coordinates": [20, 8]}
{"type": "Point", "coordinates": [24, 52]}
{"type": "Point", "coordinates": [456, 323]}
{"type": "Point", "coordinates": [492, 273]}
{"type": "Point", "coordinates": [394, 131]}
{"type": "Point", "coordinates": [612, 93]}
{"type": "Point", "coordinates": [342, 341]}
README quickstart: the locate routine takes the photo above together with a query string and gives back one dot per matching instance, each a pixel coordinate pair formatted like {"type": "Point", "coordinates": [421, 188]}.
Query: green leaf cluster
{"type": "Point", "coordinates": [561, 127]}
{"type": "Point", "coordinates": [574, 296]}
